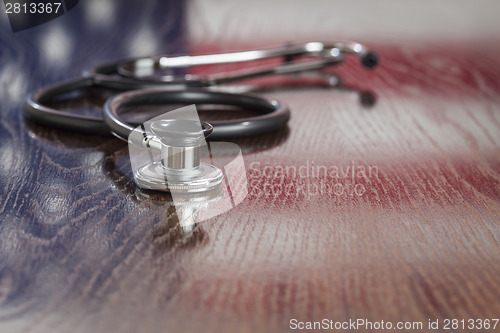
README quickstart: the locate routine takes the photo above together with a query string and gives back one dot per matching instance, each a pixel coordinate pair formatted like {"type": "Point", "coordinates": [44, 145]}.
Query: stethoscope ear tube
{"type": "Point", "coordinates": [145, 74]}
{"type": "Point", "coordinates": [273, 115]}
{"type": "Point", "coordinates": [36, 109]}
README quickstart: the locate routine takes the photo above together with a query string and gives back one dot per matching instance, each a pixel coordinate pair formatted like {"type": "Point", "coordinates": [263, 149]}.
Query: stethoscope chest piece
{"type": "Point", "coordinates": [166, 155]}
{"type": "Point", "coordinates": [169, 153]}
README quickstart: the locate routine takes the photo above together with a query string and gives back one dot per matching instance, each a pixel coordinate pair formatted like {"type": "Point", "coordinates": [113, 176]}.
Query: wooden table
{"type": "Point", "coordinates": [413, 238]}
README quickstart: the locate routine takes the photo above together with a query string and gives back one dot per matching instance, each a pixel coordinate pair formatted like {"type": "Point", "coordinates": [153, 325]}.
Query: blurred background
{"type": "Point", "coordinates": [79, 250]}
{"type": "Point", "coordinates": [62, 48]}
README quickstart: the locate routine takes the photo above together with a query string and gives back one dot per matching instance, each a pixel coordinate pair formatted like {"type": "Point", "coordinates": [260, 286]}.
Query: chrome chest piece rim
{"type": "Point", "coordinates": [154, 176]}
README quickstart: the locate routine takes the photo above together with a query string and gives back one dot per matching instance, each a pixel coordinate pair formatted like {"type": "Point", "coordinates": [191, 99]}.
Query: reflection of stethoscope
{"type": "Point", "coordinates": [154, 81]}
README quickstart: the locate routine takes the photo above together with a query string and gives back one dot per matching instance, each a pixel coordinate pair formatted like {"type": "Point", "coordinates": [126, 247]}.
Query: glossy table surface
{"type": "Point", "coordinates": [388, 211]}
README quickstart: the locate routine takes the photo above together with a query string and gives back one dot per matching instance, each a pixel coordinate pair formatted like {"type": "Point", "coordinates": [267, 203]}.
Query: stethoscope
{"type": "Point", "coordinates": [154, 80]}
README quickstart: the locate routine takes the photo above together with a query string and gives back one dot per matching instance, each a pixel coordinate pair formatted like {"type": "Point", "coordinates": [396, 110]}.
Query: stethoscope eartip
{"type": "Point", "coordinates": [369, 60]}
